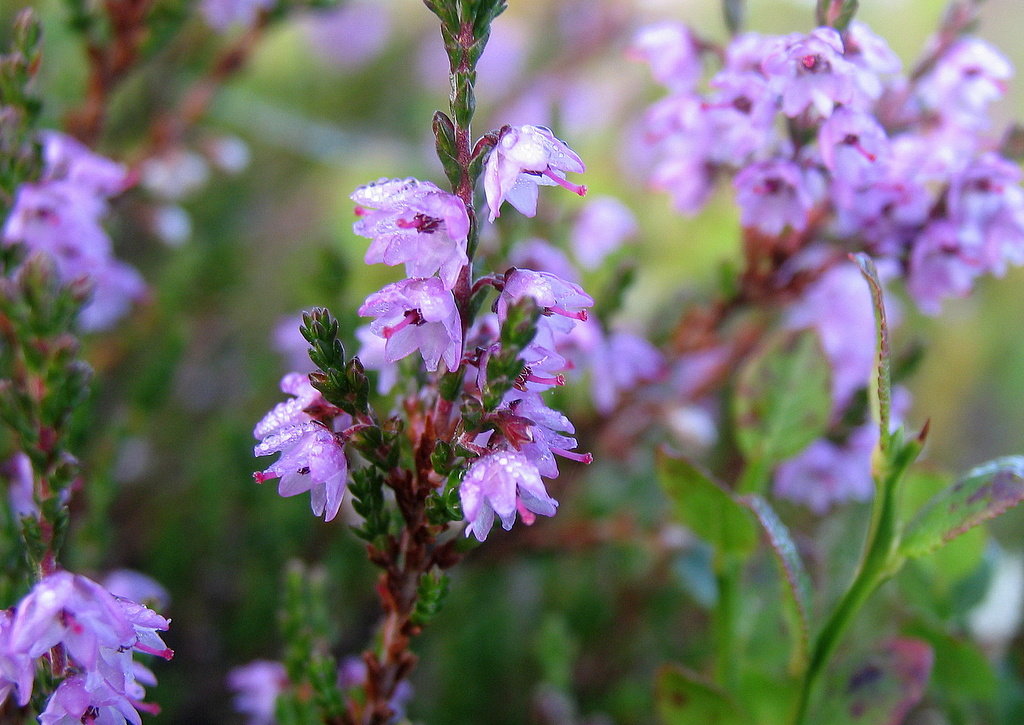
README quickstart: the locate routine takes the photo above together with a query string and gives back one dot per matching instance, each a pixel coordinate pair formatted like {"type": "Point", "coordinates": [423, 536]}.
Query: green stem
{"type": "Point", "coordinates": [729, 570]}
{"type": "Point", "coordinates": [878, 564]}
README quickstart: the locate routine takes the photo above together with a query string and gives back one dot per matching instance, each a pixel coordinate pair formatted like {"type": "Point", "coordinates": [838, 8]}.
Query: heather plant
{"type": "Point", "coordinates": [719, 500]}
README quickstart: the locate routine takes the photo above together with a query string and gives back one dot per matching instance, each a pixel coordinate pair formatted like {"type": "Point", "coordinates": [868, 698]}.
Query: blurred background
{"type": "Point", "coordinates": [251, 223]}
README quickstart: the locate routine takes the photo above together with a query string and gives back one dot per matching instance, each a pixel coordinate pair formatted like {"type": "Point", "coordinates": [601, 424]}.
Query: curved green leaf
{"type": "Point", "coordinates": [984, 493]}
{"type": "Point", "coordinates": [798, 583]}
{"type": "Point", "coordinates": [684, 698]}
{"type": "Point", "coordinates": [706, 507]}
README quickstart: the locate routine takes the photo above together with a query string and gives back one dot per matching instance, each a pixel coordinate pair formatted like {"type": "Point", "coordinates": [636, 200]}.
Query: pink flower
{"type": "Point", "coordinates": [810, 72]}
{"type": "Point", "coordinates": [312, 458]}
{"type": "Point", "coordinates": [503, 483]}
{"type": "Point", "coordinates": [257, 686]}
{"type": "Point", "coordinates": [562, 302]}
{"type": "Point", "coordinates": [672, 53]}
{"type": "Point", "coordinates": [525, 157]}
{"type": "Point", "coordinates": [773, 195]}
{"type": "Point", "coordinates": [415, 223]}
{"type": "Point", "coordinates": [601, 228]}
{"type": "Point", "coordinates": [417, 314]}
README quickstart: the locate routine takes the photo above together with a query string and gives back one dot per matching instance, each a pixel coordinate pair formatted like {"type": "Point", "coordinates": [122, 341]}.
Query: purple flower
{"type": "Point", "coordinates": [562, 302]}
{"type": "Point", "coordinates": [222, 14]}
{"type": "Point", "coordinates": [415, 223]}
{"type": "Point", "coordinates": [417, 314]}
{"type": "Point", "coordinates": [502, 483]}
{"type": "Point", "coordinates": [61, 216]}
{"type": "Point", "coordinates": [257, 686]}
{"type": "Point", "coordinates": [987, 201]}
{"type": "Point", "coordinates": [20, 489]}
{"type": "Point", "coordinates": [740, 115]}
{"type": "Point", "coordinates": [872, 57]}
{"type": "Point", "coordinates": [672, 53]}
{"type": "Point", "coordinates": [312, 459]}
{"type": "Point", "coordinates": [748, 51]}
{"type": "Point", "coordinates": [942, 266]}
{"type": "Point", "coordinates": [618, 364]}
{"type": "Point", "coordinates": [773, 195]}
{"type": "Point", "coordinates": [546, 433]}
{"type": "Point", "coordinates": [76, 701]}
{"type": "Point", "coordinates": [525, 157]}
{"type": "Point", "coordinates": [687, 179]}
{"type": "Point", "coordinates": [828, 473]}
{"type": "Point", "coordinates": [98, 632]}
{"type": "Point", "coordinates": [17, 670]}
{"type": "Point", "coordinates": [810, 72]}
{"type": "Point", "coordinates": [853, 146]}
{"type": "Point", "coordinates": [965, 80]}
{"type": "Point", "coordinates": [67, 159]}
{"type": "Point", "coordinates": [601, 228]}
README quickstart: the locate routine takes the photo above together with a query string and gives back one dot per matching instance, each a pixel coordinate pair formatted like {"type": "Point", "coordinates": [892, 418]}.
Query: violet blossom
{"type": "Point", "coordinates": [312, 457]}
{"type": "Point", "coordinates": [774, 195]}
{"type": "Point", "coordinates": [221, 15]}
{"type": "Point", "coordinates": [525, 157]}
{"type": "Point", "coordinates": [415, 223]}
{"type": "Point", "coordinates": [417, 314]}
{"type": "Point", "coordinates": [827, 473]}
{"type": "Point", "coordinates": [672, 52]}
{"type": "Point", "coordinates": [547, 433]}
{"type": "Point", "coordinates": [257, 686]}
{"type": "Point", "coordinates": [502, 482]}
{"type": "Point", "coordinates": [562, 302]}
{"type": "Point", "coordinates": [810, 72]}
{"type": "Point", "coordinates": [601, 228]}
{"type": "Point", "coordinates": [965, 80]}
{"type": "Point", "coordinates": [61, 216]}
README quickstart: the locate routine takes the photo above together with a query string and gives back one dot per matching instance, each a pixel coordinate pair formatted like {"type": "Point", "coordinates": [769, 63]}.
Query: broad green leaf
{"type": "Point", "coordinates": [882, 688]}
{"type": "Point", "coordinates": [984, 493]}
{"type": "Point", "coordinates": [881, 401]}
{"type": "Point", "coordinates": [684, 698]}
{"type": "Point", "coordinates": [797, 605]}
{"type": "Point", "coordinates": [783, 398]}
{"type": "Point", "coordinates": [706, 507]}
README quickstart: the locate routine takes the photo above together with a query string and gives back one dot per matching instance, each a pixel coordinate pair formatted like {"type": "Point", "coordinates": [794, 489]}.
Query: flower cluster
{"type": "Point", "coordinates": [61, 216]}
{"type": "Point", "coordinates": [826, 138]}
{"type": "Point", "coordinates": [88, 635]}
{"type": "Point", "coordinates": [829, 144]}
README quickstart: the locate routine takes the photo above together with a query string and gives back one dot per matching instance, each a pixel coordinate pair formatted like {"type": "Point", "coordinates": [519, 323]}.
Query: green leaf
{"type": "Point", "coordinates": [706, 507]}
{"type": "Point", "coordinates": [797, 604]}
{"type": "Point", "coordinates": [881, 689]}
{"type": "Point", "coordinates": [684, 698]}
{"type": "Point", "coordinates": [783, 398]}
{"type": "Point", "coordinates": [984, 493]}
{"type": "Point", "coordinates": [883, 356]}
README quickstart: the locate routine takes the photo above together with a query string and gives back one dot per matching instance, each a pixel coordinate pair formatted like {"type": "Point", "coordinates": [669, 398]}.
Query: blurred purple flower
{"type": "Point", "coordinates": [221, 15]}
{"type": "Point", "coordinates": [672, 52]}
{"type": "Point", "coordinates": [773, 195]}
{"type": "Point", "coordinates": [257, 686]}
{"type": "Point", "coordinates": [828, 473]}
{"type": "Point", "coordinates": [853, 146]}
{"type": "Point", "coordinates": [415, 223]}
{"type": "Point", "coordinates": [61, 216]}
{"type": "Point", "coordinates": [417, 314]}
{"type": "Point", "coordinates": [965, 80]}
{"type": "Point", "coordinates": [525, 157]}
{"type": "Point", "coordinates": [810, 72]}
{"type": "Point", "coordinates": [601, 228]}
{"type": "Point", "coordinates": [502, 482]}
{"type": "Point", "coordinates": [349, 35]}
